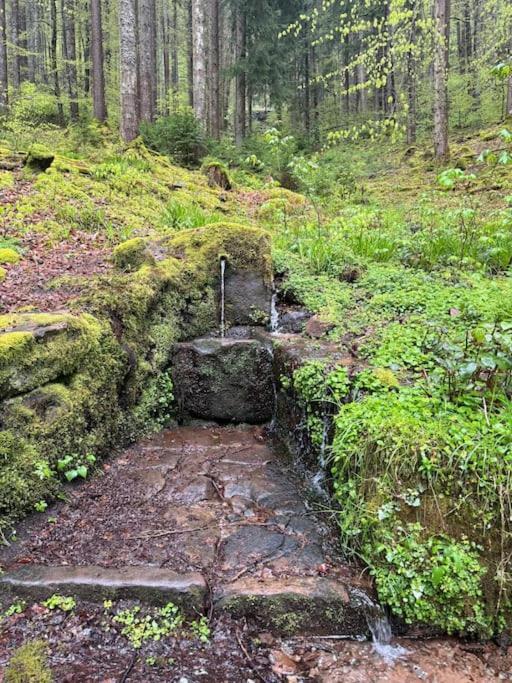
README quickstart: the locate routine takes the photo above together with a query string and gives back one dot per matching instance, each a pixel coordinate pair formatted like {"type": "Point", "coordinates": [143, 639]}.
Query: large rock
{"type": "Point", "coordinates": [228, 380]}
{"type": "Point", "coordinates": [248, 298]}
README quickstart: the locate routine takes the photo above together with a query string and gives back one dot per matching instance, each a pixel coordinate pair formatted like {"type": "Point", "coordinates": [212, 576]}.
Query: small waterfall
{"type": "Point", "coordinates": [318, 481]}
{"type": "Point", "coordinates": [223, 297]}
{"type": "Point", "coordinates": [274, 314]}
{"type": "Point", "coordinates": [380, 628]}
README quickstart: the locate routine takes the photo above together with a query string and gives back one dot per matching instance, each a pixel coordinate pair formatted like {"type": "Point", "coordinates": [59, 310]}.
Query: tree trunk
{"type": "Point", "coordinates": [53, 57]}
{"type": "Point", "coordinates": [190, 55]}
{"type": "Point", "coordinates": [441, 53]}
{"type": "Point", "coordinates": [69, 54]}
{"type": "Point", "coordinates": [15, 37]}
{"type": "Point", "coordinates": [411, 78]}
{"type": "Point", "coordinates": [215, 98]}
{"type": "Point", "coordinates": [175, 76]}
{"type": "Point", "coordinates": [98, 67]}
{"type": "Point", "coordinates": [199, 56]}
{"type": "Point", "coordinates": [4, 78]}
{"type": "Point", "coordinates": [147, 59]}
{"type": "Point", "coordinates": [166, 47]}
{"type": "Point", "coordinates": [32, 47]}
{"type": "Point", "coordinates": [509, 97]}
{"type": "Point", "coordinates": [241, 79]}
{"type": "Point", "coordinates": [128, 69]}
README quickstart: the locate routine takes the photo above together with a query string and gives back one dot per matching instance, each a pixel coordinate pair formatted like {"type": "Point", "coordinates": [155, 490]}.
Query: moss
{"type": "Point", "coordinates": [39, 157]}
{"type": "Point", "coordinates": [20, 487]}
{"type": "Point", "coordinates": [3, 274]}
{"type": "Point", "coordinates": [37, 348]}
{"type": "Point", "coordinates": [8, 255]}
{"type": "Point", "coordinates": [245, 249]}
{"type": "Point", "coordinates": [6, 180]}
{"type": "Point", "coordinates": [131, 255]}
{"type": "Point", "coordinates": [29, 664]}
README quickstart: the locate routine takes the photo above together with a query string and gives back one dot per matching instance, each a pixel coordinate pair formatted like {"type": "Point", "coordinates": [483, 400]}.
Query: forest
{"type": "Point", "coordinates": [255, 341]}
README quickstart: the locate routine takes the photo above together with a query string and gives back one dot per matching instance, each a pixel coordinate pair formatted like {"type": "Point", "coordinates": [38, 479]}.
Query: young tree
{"type": "Point", "coordinates": [97, 58]}
{"type": "Point", "coordinates": [128, 70]}
{"type": "Point", "coordinates": [441, 64]}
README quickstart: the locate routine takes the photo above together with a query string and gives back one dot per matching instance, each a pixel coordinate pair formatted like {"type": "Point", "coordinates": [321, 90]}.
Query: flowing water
{"type": "Point", "coordinates": [274, 314]}
{"type": "Point", "coordinates": [223, 297]}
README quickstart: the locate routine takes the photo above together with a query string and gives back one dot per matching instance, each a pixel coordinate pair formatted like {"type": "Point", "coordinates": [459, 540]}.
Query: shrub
{"type": "Point", "coordinates": [178, 135]}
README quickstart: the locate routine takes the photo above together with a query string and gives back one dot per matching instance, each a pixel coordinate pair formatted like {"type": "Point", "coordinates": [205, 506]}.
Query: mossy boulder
{"type": "Point", "coordinates": [36, 349]}
{"type": "Point", "coordinates": [129, 256]}
{"type": "Point", "coordinates": [8, 255]}
{"type": "Point", "coordinates": [246, 253]}
{"type": "Point", "coordinates": [39, 158]}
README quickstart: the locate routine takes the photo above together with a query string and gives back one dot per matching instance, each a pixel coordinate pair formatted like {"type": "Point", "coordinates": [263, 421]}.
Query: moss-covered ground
{"type": "Point", "coordinates": [408, 262]}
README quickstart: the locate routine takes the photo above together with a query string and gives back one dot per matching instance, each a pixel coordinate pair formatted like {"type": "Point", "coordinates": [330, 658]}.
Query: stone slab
{"type": "Point", "coordinates": [149, 584]}
{"type": "Point", "coordinates": [227, 380]}
{"type": "Point", "coordinates": [293, 606]}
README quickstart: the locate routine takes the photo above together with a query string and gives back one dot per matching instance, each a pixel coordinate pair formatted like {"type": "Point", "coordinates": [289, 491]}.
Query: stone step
{"type": "Point", "coordinates": [150, 585]}
{"type": "Point", "coordinates": [292, 606]}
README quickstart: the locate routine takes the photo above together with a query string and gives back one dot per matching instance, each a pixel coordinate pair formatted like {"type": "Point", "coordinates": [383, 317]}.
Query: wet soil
{"type": "Point", "coordinates": [86, 646]}
{"type": "Point", "coordinates": [220, 501]}
{"type": "Point", "coordinates": [209, 499]}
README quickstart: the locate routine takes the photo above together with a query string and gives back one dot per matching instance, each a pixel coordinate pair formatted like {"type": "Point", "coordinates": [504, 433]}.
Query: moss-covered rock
{"type": "Point", "coordinates": [131, 255]}
{"type": "Point", "coordinates": [36, 349]}
{"type": "Point", "coordinates": [39, 158]}
{"type": "Point", "coordinates": [29, 664]}
{"type": "Point", "coordinates": [8, 255]}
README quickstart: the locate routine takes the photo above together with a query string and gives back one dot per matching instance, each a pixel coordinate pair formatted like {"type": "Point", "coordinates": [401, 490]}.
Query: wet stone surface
{"type": "Point", "coordinates": [210, 500]}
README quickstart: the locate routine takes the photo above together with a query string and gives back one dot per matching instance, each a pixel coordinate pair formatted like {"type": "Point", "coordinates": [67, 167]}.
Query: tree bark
{"type": "Point", "coordinates": [15, 37]}
{"type": "Point", "coordinates": [4, 77]}
{"type": "Point", "coordinates": [215, 94]}
{"type": "Point", "coordinates": [31, 23]}
{"type": "Point", "coordinates": [199, 56]}
{"type": "Point", "coordinates": [411, 78]}
{"type": "Point", "coordinates": [128, 69]}
{"type": "Point", "coordinates": [166, 47]}
{"type": "Point", "coordinates": [190, 55]}
{"type": "Point", "coordinates": [147, 59]}
{"type": "Point", "coordinates": [98, 66]}
{"type": "Point", "coordinates": [509, 97]}
{"type": "Point", "coordinates": [175, 75]}
{"type": "Point", "coordinates": [241, 79]}
{"type": "Point", "coordinates": [441, 63]}
{"type": "Point", "coordinates": [53, 58]}
{"type": "Point", "coordinates": [69, 54]}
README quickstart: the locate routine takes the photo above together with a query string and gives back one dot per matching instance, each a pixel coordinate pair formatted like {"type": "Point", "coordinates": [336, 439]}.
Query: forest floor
{"type": "Point", "coordinates": [215, 501]}
{"type": "Point", "coordinates": [373, 306]}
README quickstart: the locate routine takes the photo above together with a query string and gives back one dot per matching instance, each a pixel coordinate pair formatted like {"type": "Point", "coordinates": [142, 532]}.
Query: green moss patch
{"type": "Point", "coordinates": [9, 256]}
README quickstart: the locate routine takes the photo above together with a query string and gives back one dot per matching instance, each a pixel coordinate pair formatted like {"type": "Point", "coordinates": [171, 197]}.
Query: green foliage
{"type": "Point", "coordinates": [201, 629]}
{"type": "Point", "coordinates": [432, 580]}
{"type": "Point", "coordinates": [151, 627]}
{"type": "Point", "coordinates": [73, 467]}
{"type": "Point", "coordinates": [29, 664]}
{"type": "Point", "coordinates": [16, 608]}
{"type": "Point", "coordinates": [178, 135]}
{"type": "Point", "coordinates": [60, 602]}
